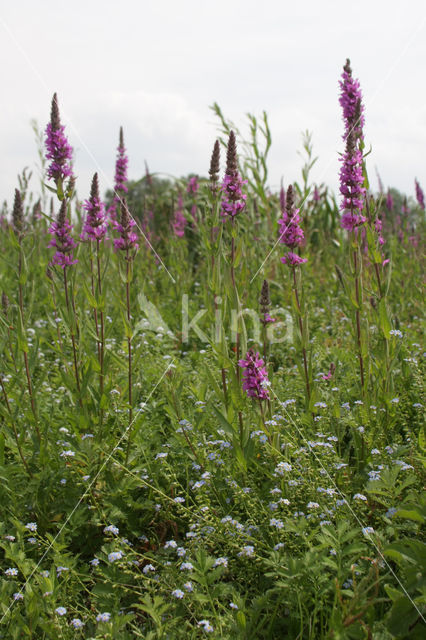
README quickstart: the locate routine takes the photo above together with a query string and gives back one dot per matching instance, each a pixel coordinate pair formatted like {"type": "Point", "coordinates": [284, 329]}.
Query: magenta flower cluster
{"type": "Point", "coordinates": [233, 199]}
{"type": "Point", "coordinates": [121, 170]}
{"type": "Point", "coordinates": [255, 376]}
{"type": "Point", "coordinates": [351, 177]}
{"type": "Point", "coordinates": [192, 186]}
{"type": "Point", "coordinates": [95, 225]}
{"type": "Point", "coordinates": [352, 186]}
{"type": "Point", "coordinates": [120, 178]}
{"type": "Point", "coordinates": [59, 151]}
{"type": "Point", "coordinates": [128, 239]}
{"type": "Point", "coordinates": [291, 233]}
{"type": "Point", "coordinates": [420, 195]}
{"type": "Point", "coordinates": [351, 102]}
{"type": "Point", "coordinates": [179, 222]}
{"type": "Point", "coordinates": [62, 240]}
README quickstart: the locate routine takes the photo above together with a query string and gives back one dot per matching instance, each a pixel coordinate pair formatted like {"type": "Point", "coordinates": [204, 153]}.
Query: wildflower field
{"type": "Point", "coordinates": [211, 398]}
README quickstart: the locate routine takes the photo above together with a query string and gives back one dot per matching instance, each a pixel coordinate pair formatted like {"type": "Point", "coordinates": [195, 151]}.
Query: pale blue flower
{"type": "Point", "coordinates": [103, 617]}
{"type": "Point", "coordinates": [221, 561]}
{"type": "Point", "coordinates": [111, 529]}
{"type": "Point", "coordinates": [77, 623]}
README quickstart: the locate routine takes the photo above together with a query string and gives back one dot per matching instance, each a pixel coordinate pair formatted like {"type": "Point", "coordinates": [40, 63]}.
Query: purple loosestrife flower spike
{"type": "Point", "coordinates": [179, 222]}
{"type": "Point", "coordinates": [121, 166]}
{"type": "Point", "coordinates": [215, 164]}
{"type": "Point", "coordinates": [351, 102]}
{"type": "Point", "coordinates": [128, 238]}
{"type": "Point", "coordinates": [192, 186]}
{"type": "Point", "coordinates": [18, 214]}
{"type": "Point", "coordinates": [120, 186]}
{"type": "Point", "coordinates": [389, 201]}
{"type": "Point", "coordinates": [265, 304]}
{"type": "Point", "coordinates": [291, 233]}
{"type": "Point", "coordinates": [419, 194]}
{"type": "Point", "coordinates": [255, 376]}
{"type": "Point", "coordinates": [95, 225]}
{"type": "Point", "coordinates": [233, 200]}
{"type": "Point", "coordinates": [62, 240]}
{"type": "Point", "coordinates": [59, 151]}
{"type": "Point", "coordinates": [351, 185]}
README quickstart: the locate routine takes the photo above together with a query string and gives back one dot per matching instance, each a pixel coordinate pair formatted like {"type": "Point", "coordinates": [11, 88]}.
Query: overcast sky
{"type": "Point", "coordinates": [156, 67]}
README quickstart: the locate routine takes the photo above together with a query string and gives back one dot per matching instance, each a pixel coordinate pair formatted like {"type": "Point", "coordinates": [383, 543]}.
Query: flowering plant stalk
{"type": "Point", "coordinates": [127, 242]}
{"type": "Point", "coordinates": [120, 185]}
{"type": "Point", "coordinates": [233, 202]}
{"type": "Point", "coordinates": [353, 192]}
{"type": "Point", "coordinates": [292, 235]}
{"type": "Point", "coordinates": [64, 244]}
{"type": "Point", "coordinates": [59, 153]}
{"type": "Point", "coordinates": [94, 231]}
{"type": "Point", "coordinates": [214, 241]}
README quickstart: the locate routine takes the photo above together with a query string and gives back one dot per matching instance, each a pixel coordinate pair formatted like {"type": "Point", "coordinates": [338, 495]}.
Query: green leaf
{"type": "Point", "coordinates": [226, 426]}
{"type": "Point", "coordinates": [384, 321]}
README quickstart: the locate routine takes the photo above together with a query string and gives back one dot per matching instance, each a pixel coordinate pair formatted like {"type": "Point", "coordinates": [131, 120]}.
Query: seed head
{"type": "Point", "coordinates": [215, 162]}
{"type": "Point", "coordinates": [231, 155]}
{"type": "Point", "coordinates": [265, 300]}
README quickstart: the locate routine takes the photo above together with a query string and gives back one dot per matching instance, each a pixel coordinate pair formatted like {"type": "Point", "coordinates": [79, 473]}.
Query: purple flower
{"type": "Point", "coordinates": [291, 233]}
{"type": "Point", "coordinates": [351, 186]}
{"type": "Point", "coordinates": [59, 151]}
{"type": "Point", "coordinates": [419, 194]}
{"type": "Point", "coordinates": [378, 225]}
{"type": "Point", "coordinates": [95, 225]}
{"type": "Point", "coordinates": [62, 240]}
{"type": "Point", "coordinates": [233, 199]}
{"type": "Point", "coordinates": [128, 238]}
{"type": "Point", "coordinates": [351, 102]}
{"type": "Point", "coordinates": [255, 375]}
{"type": "Point", "coordinates": [293, 259]}
{"type": "Point", "coordinates": [179, 222]}
{"type": "Point", "coordinates": [192, 185]}
{"type": "Point", "coordinates": [351, 176]}
{"type": "Point", "coordinates": [120, 186]}
{"type": "Point", "coordinates": [389, 201]}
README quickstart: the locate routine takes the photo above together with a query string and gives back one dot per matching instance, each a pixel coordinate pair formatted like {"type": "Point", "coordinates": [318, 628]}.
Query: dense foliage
{"type": "Point", "coordinates": [198, 438]}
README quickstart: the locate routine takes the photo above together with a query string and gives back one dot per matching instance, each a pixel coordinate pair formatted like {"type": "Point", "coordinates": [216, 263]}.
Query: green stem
{"type": "Point", "coordinates": [102, 328]}
{"type": "Point", "coordinates": [305, 362]}
{"type": "Point", "coordinates": [74, 348]}
{"type": "Point", "coordinates": [358, 298]}
{"type": "Point", "coordinates": [6, 399]}
{"type": "Point", "coordinates": [27, 368]}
